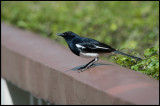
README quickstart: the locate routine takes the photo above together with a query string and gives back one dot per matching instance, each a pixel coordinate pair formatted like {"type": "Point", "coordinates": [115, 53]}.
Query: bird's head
{"type": "Point", "coordinates": [67, 35]}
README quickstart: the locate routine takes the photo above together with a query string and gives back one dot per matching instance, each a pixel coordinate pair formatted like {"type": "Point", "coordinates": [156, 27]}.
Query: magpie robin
{"type": "Point", "coordinates": [86, 47]}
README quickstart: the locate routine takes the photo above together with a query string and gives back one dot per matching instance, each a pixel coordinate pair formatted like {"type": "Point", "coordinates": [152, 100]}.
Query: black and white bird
{"type": "Point", "coordinates": [86, 47]}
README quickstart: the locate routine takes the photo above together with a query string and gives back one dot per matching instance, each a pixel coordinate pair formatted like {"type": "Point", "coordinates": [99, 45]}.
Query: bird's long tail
{"type": "Point", "coordinates": [137, 58]}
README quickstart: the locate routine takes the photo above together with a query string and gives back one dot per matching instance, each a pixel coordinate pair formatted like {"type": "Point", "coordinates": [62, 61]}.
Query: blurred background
{"type": "Point", "coordinates": [122, 24]}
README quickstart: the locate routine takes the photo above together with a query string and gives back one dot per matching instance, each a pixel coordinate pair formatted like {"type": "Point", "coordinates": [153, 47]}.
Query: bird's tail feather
{"type": "Point", "coordinates": [118, 52]}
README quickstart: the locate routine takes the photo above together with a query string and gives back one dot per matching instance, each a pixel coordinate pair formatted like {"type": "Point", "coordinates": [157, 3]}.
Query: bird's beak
{"type": "Point", "coordinates": [60, 34]}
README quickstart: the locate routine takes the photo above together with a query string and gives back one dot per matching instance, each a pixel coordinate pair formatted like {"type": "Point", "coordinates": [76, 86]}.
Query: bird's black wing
{"type": "Point", "coordinates": [93, 46]}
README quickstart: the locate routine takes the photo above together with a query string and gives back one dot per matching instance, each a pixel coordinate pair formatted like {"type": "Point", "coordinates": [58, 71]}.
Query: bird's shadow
{"type": "Point", "coordinates": [94, 65]}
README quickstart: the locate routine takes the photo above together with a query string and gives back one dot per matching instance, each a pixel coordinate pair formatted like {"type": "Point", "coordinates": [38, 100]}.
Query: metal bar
{"type": "Point", "coordinates": [39, 101]}
{"type": "Point", "coordinates": [31, 99]}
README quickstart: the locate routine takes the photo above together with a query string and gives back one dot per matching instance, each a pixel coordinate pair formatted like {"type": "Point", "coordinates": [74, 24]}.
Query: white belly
{"type": "Point", "coordinates": [88, 55]}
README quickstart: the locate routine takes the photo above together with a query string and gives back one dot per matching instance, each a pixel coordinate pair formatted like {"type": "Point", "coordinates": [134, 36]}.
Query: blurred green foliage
{"type": "Point", "coordinates": [149, 64]}
{"type": "Point", "coordinates": [121, 24]}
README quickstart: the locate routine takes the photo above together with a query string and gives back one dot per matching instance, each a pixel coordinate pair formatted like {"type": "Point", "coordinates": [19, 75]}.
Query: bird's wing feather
{"type": "Point", "coordinates": [94, 46]}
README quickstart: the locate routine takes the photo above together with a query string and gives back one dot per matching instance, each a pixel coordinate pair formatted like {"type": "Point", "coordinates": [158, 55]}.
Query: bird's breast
{"type": "Point", "coordinates": [74, 49]}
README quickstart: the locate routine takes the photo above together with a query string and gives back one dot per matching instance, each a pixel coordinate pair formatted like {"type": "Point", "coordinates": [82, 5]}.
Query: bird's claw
{"type": "Point", "coordinates": [81, 69]}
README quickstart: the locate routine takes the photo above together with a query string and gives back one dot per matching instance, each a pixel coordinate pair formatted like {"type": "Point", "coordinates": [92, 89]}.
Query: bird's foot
{"type": "Point", "coordinates": [81, 69]}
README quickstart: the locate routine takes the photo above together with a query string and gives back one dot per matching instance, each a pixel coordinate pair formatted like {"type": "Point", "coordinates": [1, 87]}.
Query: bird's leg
{"type": "Point", "coordinates": [88, 65]}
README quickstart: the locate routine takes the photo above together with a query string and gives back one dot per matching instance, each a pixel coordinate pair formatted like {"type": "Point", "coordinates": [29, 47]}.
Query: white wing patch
{"type": "Point", "coordinates": [101, 47]}
{"type": "Point", "coordinates": [80, 46]}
